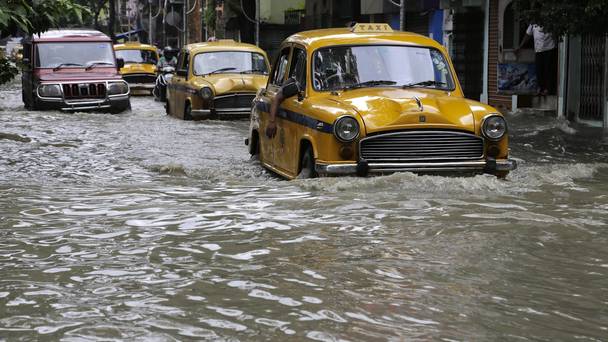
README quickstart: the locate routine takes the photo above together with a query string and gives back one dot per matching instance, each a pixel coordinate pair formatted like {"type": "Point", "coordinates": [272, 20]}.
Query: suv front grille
{"type": "Point", "coordinates": [421, 146]}
{"type": "Point", "coordinates": [84, 90]}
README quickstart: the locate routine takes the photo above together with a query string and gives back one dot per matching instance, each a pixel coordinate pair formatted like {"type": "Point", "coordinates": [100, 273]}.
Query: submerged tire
{"type": "Point", "coordinates": [307, 165]}
{"type": "Point", "coordinates": [188, 112]}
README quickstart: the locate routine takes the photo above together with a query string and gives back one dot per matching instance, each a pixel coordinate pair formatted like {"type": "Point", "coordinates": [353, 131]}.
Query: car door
{"type": "Point", "coordinates": [268, 147]}
{"type": "Point", "coordinates": [27, 76]}
{"type": "Point", "coordinates": [178, 82]}
{"type": "Point", "coordinates": [289, 132]}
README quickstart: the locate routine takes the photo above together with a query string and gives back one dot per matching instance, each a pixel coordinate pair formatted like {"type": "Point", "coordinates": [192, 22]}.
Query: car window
{"type": "Point", "coordinates": [180, 60]}
{"type": "Point", "coordinates": [298, 67]}
{"type": "Point", "coordinates": [229, 62]}
{"type": "Point", "coordinates": [337, 67]}
{"type": "Point", "coordinates": [77, 54]}
{"type": "Point", "coordinates": [27, 50]}
{"type": "Point", "coordinates": [280, 67]}
{"type": "Point", "coordinates": [183, 61]}
{"type": "Point", "coordinates": [137, 56]}
{"type": "Point", "coordinates": [186, 64]}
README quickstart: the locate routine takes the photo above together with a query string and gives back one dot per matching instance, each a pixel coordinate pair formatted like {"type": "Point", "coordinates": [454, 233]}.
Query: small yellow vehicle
{"type": "Point", "coordinates": [140, 61]}
{"type": "Point", "coordinates": [368, 100]}
{"type": "Point", "coordinates": [216, 80]}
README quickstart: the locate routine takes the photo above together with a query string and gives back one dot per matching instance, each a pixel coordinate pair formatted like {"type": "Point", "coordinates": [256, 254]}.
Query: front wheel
{"type": "Point", "coordinates": [307, 165]}
{"type": "Point", "coordinates": [188, 112]}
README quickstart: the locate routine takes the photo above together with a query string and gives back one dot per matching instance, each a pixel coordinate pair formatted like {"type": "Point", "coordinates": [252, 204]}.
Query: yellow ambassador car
{"type": "Point", "coordinates": [216, 79]}
{"type": "Point", "coordinates": [140, 64]}
{"type": "Point", "coordinates": [366, 100]}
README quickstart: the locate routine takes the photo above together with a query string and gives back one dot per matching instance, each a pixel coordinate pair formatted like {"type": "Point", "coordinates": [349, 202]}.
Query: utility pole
{"type": "Point", "coordinates": [111, 20]}
{"type": "Point", "coordinates": [150, 41]}
{"type": "Point", "coordinates": [257, 22]}
{"type": "Point", "coordinates": [402, 15]}
{"type": "Point", "coordinates": [195, 23]}
{"type": "Point", "coordinates": [401, 5]}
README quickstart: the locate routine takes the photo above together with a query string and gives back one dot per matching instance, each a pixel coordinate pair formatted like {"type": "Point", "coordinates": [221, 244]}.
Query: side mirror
{"type": "Point", "coordinates": [120, 63]}
{"type": "Point", "coordinates": [25, 60]}
{"type": "Point", "coordinates": [181, 72]}
{"type": "Point", "coordinates": [291, 88]}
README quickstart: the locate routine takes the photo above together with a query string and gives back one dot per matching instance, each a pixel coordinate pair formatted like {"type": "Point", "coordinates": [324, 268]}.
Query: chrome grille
{"type": "Point", "coordinates": [235, 100]}
{"type": "Point", "coordinates": [84, 90]}
{"type": "Point", "coordinates": [421, 145]}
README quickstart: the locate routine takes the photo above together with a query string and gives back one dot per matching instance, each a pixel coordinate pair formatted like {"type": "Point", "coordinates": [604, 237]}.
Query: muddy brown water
{"type": "Point", "coordinates": [144, 227]}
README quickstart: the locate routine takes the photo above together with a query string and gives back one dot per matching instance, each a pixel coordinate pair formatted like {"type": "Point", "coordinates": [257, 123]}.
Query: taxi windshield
{"type": "Point", "coordinates": [135, 56]}
{"type": "Point", "coordinates": [76, 54]}
{"type": "Point", "coordinates": [229, 62]}
{"type": "Point", "coordinates": [347, 67]}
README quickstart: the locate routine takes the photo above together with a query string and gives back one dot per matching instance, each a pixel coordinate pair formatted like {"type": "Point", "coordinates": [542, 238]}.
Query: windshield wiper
{"type": "Point", "coordinates": [373, 83]}
{"type": "Point", "coordinates": [221, 70]}
{"type": "Point", "coordinates": [65, 64]}
{"type": "Point", "coordinates": [92, 64]}
{"type": "Point", "coordinates": [252, 71]}
{"type": "Point", "coordinates": [424, 84]}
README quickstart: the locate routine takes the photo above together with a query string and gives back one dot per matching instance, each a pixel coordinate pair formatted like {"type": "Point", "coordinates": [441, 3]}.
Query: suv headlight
{"type": "Point", "coordinates": [346, 129]}
{"type": "Point", "coordinates": [494, 127]}
{"type": "Point", "coordinates": [118, 88]}
{"type": "Point", "coordinates": [206, 93]}
{"type": "Point", "coordinates": [49, 90]}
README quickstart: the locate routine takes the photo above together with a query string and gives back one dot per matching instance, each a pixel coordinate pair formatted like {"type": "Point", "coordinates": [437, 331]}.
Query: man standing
{"type": "Point", "coordinates": [546, 59]}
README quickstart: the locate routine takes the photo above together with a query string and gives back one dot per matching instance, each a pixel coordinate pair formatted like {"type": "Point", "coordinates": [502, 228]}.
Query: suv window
{"type": "Point", "coordinates": [297, 68]}
{"type": "Point", "coordinates": [27, 50]}
{"type": "Point", "coordinates": [280, 68]}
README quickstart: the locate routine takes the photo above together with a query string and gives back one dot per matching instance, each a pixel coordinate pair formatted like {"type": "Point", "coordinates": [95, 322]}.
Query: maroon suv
{"type": "Point", "coordinates": [72, 70]}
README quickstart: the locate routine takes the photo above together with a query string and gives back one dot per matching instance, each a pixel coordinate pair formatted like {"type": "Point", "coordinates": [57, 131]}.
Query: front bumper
{"type": "Point", "coordinates": [363, 168]}
{"type": "Point", "coordinates": [114, 102]}
{"type": "Point", "coordinates": [141, 86]}
{"type": "Point", "coordinates": [221, 113]}
{"type": "Point", "coordinates": [84, 101]}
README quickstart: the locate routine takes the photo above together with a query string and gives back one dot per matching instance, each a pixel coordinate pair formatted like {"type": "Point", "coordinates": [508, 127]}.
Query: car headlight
{"type": "Point", "coordinates": [118, 88]}
{"type": "Point", "coordinates": [50, 90]}
{"type": "Point", "coordinates": [494, 127]}
{"type": "Point", "coordinates": [206, 93]}
{"type": "Point", "coordinates": [346, 129]}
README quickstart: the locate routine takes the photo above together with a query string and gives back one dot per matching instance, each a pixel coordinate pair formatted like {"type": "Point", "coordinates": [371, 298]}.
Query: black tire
{"type": "Point", "coordinates": [307, 165]}
{"type": "Point", "coordinates": [502, 175]}
{"type": "Point", "coordinates": [188, 112]}
{"type": "Point", "coordinates": [254, 145]}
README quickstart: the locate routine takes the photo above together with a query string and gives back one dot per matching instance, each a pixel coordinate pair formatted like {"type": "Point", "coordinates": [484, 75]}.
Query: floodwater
{"type": "Point", "coordinates": [140, 226]}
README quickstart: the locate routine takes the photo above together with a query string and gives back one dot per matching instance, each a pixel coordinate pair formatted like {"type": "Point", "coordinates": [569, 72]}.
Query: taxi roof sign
{"type": "Point", "coordinates": [371, 28]}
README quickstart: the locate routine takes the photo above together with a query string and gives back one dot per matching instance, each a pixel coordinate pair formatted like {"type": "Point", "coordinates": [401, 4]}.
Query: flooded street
{"type": "Point", "coordinates": [145, 227]}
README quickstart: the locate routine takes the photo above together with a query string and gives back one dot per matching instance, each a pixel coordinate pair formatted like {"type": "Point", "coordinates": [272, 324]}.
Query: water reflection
{"type": "Point", "coordinates": [142, 226]}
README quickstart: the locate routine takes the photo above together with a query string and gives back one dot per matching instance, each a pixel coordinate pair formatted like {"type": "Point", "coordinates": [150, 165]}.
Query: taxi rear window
{"type": "Point", "coordinates": [340, 67]}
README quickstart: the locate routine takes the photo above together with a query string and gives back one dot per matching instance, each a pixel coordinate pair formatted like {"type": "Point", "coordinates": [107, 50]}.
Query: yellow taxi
{"type": "Point", "coordinates": [216, 80]}
{"type": "Point", "coordinates": [370, 100]}
{"type": "Point", "coordinates": [139, 68]}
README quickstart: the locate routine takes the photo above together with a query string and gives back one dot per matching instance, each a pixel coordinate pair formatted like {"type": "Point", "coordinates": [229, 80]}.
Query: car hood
{"type": "Point", "coordinates": [391, 109]}
{"type": "Point", "coordinates": [233, 83]}
{"type": "Point", "coordinates": [134, 68]}
{"type": "Point", "coordinates": [72, 74]}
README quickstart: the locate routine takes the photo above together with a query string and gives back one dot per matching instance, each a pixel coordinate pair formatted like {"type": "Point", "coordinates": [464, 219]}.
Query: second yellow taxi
{"type": "Point", "coordinates": [366, 100]}
{"type": "Point", "coordinates": [216, 80]}
{"type": "Point", "coordinates": [139, 68]}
